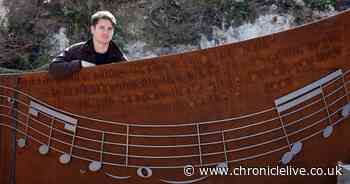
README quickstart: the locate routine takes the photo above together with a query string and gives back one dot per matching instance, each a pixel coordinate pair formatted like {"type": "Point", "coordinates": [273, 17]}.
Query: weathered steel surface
{"type": "Point", "coordinates": [198, 108]}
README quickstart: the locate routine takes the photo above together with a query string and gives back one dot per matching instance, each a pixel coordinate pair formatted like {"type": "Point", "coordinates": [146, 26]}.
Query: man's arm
{"type": "Point", "coordinates": [124, 58]}
{"type": "Point", "coordinates": [62, 66]}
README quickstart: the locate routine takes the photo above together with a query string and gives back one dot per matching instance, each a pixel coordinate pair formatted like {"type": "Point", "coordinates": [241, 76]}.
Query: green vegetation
{"type": "Point", "coordinates": [168, 20]}
{"type": "Point", "coordinates": [320, 4]}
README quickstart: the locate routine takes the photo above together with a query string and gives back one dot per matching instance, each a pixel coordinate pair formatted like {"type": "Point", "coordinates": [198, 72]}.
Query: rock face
{"type": "Point", "coordinates": [3, 11]}
{"type": "Point", "coordinates": [146, 28]}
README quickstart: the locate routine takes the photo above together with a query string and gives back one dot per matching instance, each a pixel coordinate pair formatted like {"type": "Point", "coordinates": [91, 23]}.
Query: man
{"type": "Point", "coordinates": [98, 50]}
{"type": "Point", "coordinates": [342, 5]}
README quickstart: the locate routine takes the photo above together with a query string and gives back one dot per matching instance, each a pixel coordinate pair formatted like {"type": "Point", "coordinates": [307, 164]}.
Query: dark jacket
{"type": "Point", "coordinates": [69, 60]}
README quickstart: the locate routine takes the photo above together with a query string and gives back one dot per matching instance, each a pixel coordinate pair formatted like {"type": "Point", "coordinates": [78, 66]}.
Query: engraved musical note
{"type": "Point", "coordinates": [65, 158]}
{"type": "Point", "coordinates": [297, 97]}
{"type": "Point", "coordinates": [329, 129]}
{"type": "Point", "coordinates": [225, 163]}
{"type": "Point", "coordinates": [44, 149]}
{"type": "Point", "coordinates": [288, 156]}
{"type": "Point", "coordinates": [97, 165]}
{"type": "Point", "coordinates": [69, 122]}
{"type": "Point", "coordinates": [23, 141]}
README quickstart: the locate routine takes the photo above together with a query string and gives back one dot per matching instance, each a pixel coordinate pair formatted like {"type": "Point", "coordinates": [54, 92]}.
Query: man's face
{"type": "Point", "coordinates": [103, 31]}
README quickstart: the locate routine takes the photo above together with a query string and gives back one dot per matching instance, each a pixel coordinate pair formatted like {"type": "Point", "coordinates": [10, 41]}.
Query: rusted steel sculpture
{"type": "Point", "coordinates": [279, 100]}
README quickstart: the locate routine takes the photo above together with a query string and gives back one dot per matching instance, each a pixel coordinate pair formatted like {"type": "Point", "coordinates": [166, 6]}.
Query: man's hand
{"type": "Point", "coordinates": [87, 64]}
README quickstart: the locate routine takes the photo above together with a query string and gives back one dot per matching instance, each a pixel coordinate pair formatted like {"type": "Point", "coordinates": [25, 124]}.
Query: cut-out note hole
{"type": "Point", "coordinates": [10, 100]}
{"type": "Point", "coordinates": [287, 157]}
{"type": "Point", "coordinates": [144, 172]}
{"type": "Point", "coordinates": [65, 158]}
{"type": "Point", "coordinates": [44, 149]}
{"type": "Point", "coordinates": [327, 131]}
{"type": "Point", "coordinates": [95, 166]}
{"type": "Point", "coordinates": [222, 165]}
{"type": "Point", "coordinates": [21, 142]}
{"type": "Point", "coordinates": [346, 110]}
{"type": "Point", "coordinates": [296, 148]}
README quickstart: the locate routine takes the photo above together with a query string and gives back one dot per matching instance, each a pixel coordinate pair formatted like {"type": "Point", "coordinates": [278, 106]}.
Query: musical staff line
{"type": "Point", "coordinates": [173, 167]}
{"type": "Point", "coordinates": [193, 155]}
{"type": "Point", "coordinates": [193, 135]}
{"type": "Point", "coordinates": [193, 145]}
{"type": "Point", "coordinates": [155, 167]}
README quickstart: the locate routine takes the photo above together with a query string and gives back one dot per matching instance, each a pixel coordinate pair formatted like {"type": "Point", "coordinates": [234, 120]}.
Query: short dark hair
{"type": "Point", "coordinates": [103, 15]}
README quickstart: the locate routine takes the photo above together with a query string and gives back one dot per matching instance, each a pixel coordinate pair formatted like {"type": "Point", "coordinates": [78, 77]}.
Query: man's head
{"type": "Point", "coordinates": [102, 26]}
